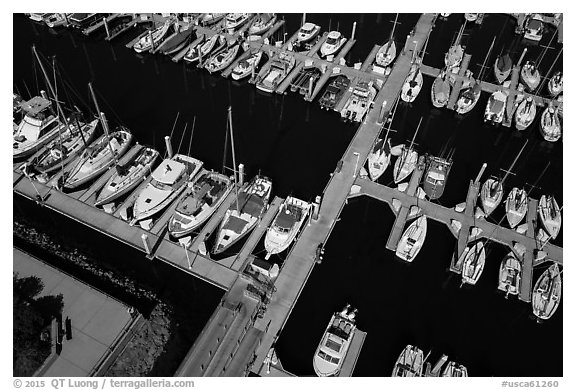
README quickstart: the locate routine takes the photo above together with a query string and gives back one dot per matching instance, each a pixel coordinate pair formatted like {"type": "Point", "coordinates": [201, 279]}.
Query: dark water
{"type": "Point", "coordinates": [298, 145]}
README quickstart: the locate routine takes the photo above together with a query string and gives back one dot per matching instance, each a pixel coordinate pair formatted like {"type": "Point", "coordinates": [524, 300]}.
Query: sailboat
{"type": "Point", "coordinates": [556, 84]}
{"type": "Point", "coordinates": [453, 57]}
{"type": "Point", "coordinates": [333, 43]}
{"type": "Point", "coordinates": [177, 42]}
{"type": "Point", "coordinates": [413, 84]}
{"type": "Point", "coordinates": [261, 24]}
{"type": "Point", "coordinates": [550, 127]}
{"type": "Point", "coordinates": [199, 201]}
{"type": "Point", "coordinates": [379, 158]}
{"type": "Point", "coordinates": [222, 60]}
{"type": "Point", "coordinates": [333, 346]}
{"type": "Point", "coordinates": [550, 215]}
{"type": "Point", "coordinates": [494, 112]}
{"type": "Point", "coordinates": [454, 369]}
{"type": "Point", "coordinates": [410, 363]}
{"type": "Point", "coordinates": [412, 239]}
{"type": "Point", "coordinates": [285, 225]}
{"type": "Point", "coordinates": [204, 49]}
{"type": "Point", "coordinates": [436, 175]}
{"type": "Point", "coordinates": [387, 52]}
{"type": "Point", "coordinates": [247, 66]}
{"type": "Point", "coordinates": [149, 41]}
{"type": "Point", "coordinates": [474, 261]}
{"type": "Point", "coordinates": [502, 67]}
{"type": "Point", "coordinates": [510, 274]}
{"type": "Point", "coordinates": [516, 206]}
{"type": "Point", "coordinates": [127, 177]}
{"type": "Point", "coordinates": [547, 293]}
{"type": "Point", "coordinates": [525, 113]}
{"type": "Point", "coordinates": [440, 90]}
{"type": "Point", "coordinates": [491, 195]}
{"type": "Point", "coordinates": [530, 75]}
{"type": "Point", "coordinates": [406, 162]}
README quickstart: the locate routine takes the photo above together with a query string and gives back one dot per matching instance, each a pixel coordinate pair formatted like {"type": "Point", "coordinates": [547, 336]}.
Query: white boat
{"type": "Point", "coordinates": [410, 363]}
{"type": "Point", "coordinates": [386, 53]}
{"type": "Point", "coordinates": [149, 41]}
{"type": "Point", "coordinates": [285, 226]}
{"type": "Point", "coordinates": [474, 261]}
{"type": "Point", "coordinates": [208, 19]}
{"type": "Point", "coordinates": [127, 177]}
{"type": "Point", "coordinates": [556, 84]}
{"type": "Point", "coordinates": [235, 20]}
{"type": "Point", "coordinates": [534, 27]}
{"type": "Point", "coordinates": [38, 127]}
{"type": "Point", "coordinates": [168, 181]}
{"type": "Point", "coordinates": [335, 342]}
{"type": "Point", "coordinates": [199, 201]}
{"type": "Point", "coordinates": [494, 112]}
{"type": "Point", "coordinates": [37, 17]}
{"type": "Point", "coordinates": [405, 164]}
{"type": "Point", "coordinates": [468, 98]}
{"type": "Point", "coordinates": [222, 60]}
{"type": "Point", "coordinates": [454, 369]}
{"type": "Point", "coordinates": [412, 239]}
{"type": "Point", "coordinates": [525, 113]}
{"type": "Point", "coordinates": [333, 43]}
{"type": "Point", "coordinates": [55, 20]}
{"type": "Point", "coordinates": [360, 101]}
{"type": "Point", "coordinates": [516, 206]}
{"type": "Point", "coordinates": [550, 127]}
{"type": "Point", "coordinates": [436, 175]}
{"type": "Point", "coordinates": [550, 215]}
{"type": "Point", "coordinates": [307, 32]}
{"type": "Point", "coordinates": [440, 91]}
{"type": "Point", "coordinates": [247, 66]}
{"type": "Point", "coordinates": [379, 158]}
{"type": "Point", "coordinates": [97, 158]}
{"type": "Point", "coordinates": [471, 17]}
{"type": "Point", "coordinates": [502, 67]}
{"type": "Point", "coordinates": [455, 53]}
{"type": "Point", "coordinates": [261, 24]}
{"type": "Point", "coordinates": [205, 49]}
{"type": "Point", "coordinates": [280, 66]}
{"type": "Point", "coordinates": [64, 148]}
{"type": "Point", "coordinates": [412, 85]}
{"type": "Point", "coordinates": [491, 195]}
{"type": "Point", "coordinates": [547, 293]}
{"type": "Point", "coordinates": [244, 214]}
{"type": "Point", "coordinates": [530, 75]}
{"type": "Point", "coordinates": [510, 274]}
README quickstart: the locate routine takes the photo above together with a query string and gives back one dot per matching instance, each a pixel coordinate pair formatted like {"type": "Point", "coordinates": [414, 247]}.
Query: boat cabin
{"type": "Point", "coordinates": [334, 38]}
{"type": "Point", "coordinates": [167, 173]}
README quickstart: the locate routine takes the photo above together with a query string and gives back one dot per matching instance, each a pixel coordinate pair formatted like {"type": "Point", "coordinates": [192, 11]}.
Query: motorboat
{"type": "Point", "coordinates": [491, 195]}
{"type": "Point", "coordinates": [82, 20]}
{"type": "Point", "coordinates": [127, 176]}
{"type": "Point", "coordinates": [200, 200]}
{"type": "Point", "coordinates": [550, 215]}
{"type": "Point", "coordinates": [386, 53]}
{"type": "Point", "coordinates": [280, 66]}
{"type": "Point", "coordinates": [247, 67]}
{"type": "Point", "coordinates": [436, 175]}
{"type": "Point", "coordinates": [97, 158]}
{"type": "Point", "coordinates": [37, 17]}
{"type": "Point", "coordinates": [534, 28]}
{"type": "Point", "coordinates": [168, 181]}
{"type": "Point", "coordinates": [502, 67]}
{"type": "Point", "coordinates": [467, 98]}
{"type": "Point", "coordinates": [440, 90]}
{"type": "Point", "coordinates": [208, 19]}
{"type": "Point", "coordinates": [473, 265]}
{"type": "Point", "coordinates": [244, 214]}
{"type": "Point", "coordinates": [55, 20]}
{"type": "Point", "coordinates": [547, 293]}
{"type": "Point", "coordinates": [205, 49]}
{"type": "Point", "coordinates": [333, 43]}
{"type": "Point", "coordinates": [556, 84]}
{"type": "Point", "coordinates": [412, 239]}
{"type": "Point", "coordinates": [153, 39]}
{"type": "Point", "coordinates": [307, 33]}
{"type": "Point", "coordinates": [360, 101]}
{"type": "Point", "coordinates": [334, 92]}
{"type": "Point", "coordinates": [285, 225]}
{"type": "Point", "coordinates": [235, 20]}
{"type": "Point", "coordinates": [525, 113]}
{"type": "Point", "coordinates": [530, 75]}
{"type": "Point", "coordinates": [471, 17]}
{"type": "Point", "coordinates": [38, 127]}
{"type": "Point", "coordinates": [335, 342]}
{"type": "Point", "coordinates": [64, 148]}
{"type": "Point", "coordinates": [510, 274]}
{"type": "Point", "coordinates": [222, 60]}
{"type": "Point", "coordinates": [261, 24]}
{"type": "Point", "coordinates": [412, 85]}
{"type": "Point", "coordinates": [516, 206]}
{"type": "Point", "coordinates": [494, 112]}
{"type": "Point", "coordinates": [550, 127]}
{"type": "Point", "coordinates": [410, 363]}
{"type": "Point", "coordinates": [454, 369]}
{"type": "Point", "coordinates": [405, 164]}
{"type": "Point", "coordinates": [379, 158]}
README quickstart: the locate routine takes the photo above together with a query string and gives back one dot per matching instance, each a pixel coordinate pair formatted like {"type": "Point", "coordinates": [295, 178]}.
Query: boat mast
{"type": "Point", "coordinates": [514, 162]}
{"type": "Point", "coordinates": [414, 137]}
{"type": "Point", "coordinates": [538, 180]}
{"type": "Point", "coordinates": [391, 120]}
{"type": "Point", "coordinates": [233, 154]}
{"type": "Point", "coordinates": [104, 124]}
{"type": "Point", "coordinates": [391, 39]}
{"type": "Point", "coordinates": [543, 53]}
{"type": "Point", "coordinates": [549, 70]}
{"type": "Point", "coordinates": [481, 75]}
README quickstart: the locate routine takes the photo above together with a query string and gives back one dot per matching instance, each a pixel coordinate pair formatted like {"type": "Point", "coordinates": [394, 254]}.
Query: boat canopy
{"type": "Point", "coordinates": [168, 171]}
{"type": "Point", "coordinates": [35, 105]}
{"type": "Point", "coordinates": [307, 28]}
{"type": "Point", "coordinates": [236, 224]}
{"type": "Point", "coordinates": [288, 217]}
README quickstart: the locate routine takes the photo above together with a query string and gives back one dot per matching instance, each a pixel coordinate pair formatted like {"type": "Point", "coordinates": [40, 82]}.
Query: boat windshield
{"type": "Point", "coordinates": [333, 345]}
{"type": "Point", "coordinates": [328, 358]}
{"type": "Point", "coordinates": [160, 186]}
{"type": "Point", "coordinates": [331, 41]}
{"type": "Point", "coordinates": [306, 29]}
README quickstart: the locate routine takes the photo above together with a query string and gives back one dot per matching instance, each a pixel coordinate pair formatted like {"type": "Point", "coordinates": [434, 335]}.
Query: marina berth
{"type": "Point", "coordinates": [516, 206]}
{"type": "Point", "coordinates": [333, 44]}
{"type": "Point", "coordinates": [550, 215]}
{"type": "Point", "coordinates": [473, 264]}
{"type": "Point", "coordinates": [547, 293]}
{"type": "Point", "coordinates": [412, 239]}
{"type": "Point", "coordinates": [510, 274]}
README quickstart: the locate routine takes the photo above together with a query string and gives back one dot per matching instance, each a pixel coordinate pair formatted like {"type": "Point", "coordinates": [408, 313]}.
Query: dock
{"type": "Point", "coordinates": [511, 100]}
{"type": "Point", "coordinates": [455, 93]}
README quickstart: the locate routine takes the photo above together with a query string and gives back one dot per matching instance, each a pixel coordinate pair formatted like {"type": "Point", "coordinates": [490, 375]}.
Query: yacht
{"type": "Point", "coordinates": [248, 66]}
{"type": "Point", "coordinates": [168, 181]}
{"type": "Point", "coordinates": [209, 19]}
{"type": "Point", "coordinates": [491, 195]}
{"type": "Point", "coordinates": [440, 90]}
{"type": "Point", "coordinates": [550, 215]}
{"type": "Point", "coordinates": [286, 225]}
{"type": "Point", "coordinates": [127, 177]}
{"type": "Point", "coordinates": [333, 347]}
{"type": "Point", "coordinates": [38, 127]}
{"type": "Point", "coordinates": [530, 75]}
{"type": "Point", "coordinates": [410, 363]}
{"type": "Point", "coordinates": [495, 107]}
{"type": "Point", "coordinates": [474, 261]}
{"type": "Point", "coordinates": [235, 21]}
{"type": "Point", "coordinates": [360, 101]}
{"type": "Point", "coordinates": [550, 127]}
{"type": "Point", "coordinates": [502, 67]}
{"type": "Point", "coordinates": [261, 24]}
{"type": "Point", "coordinates": [547, 293]}
{"type": "Point", "coordinates": [412, 85]}
{"type": "Point", "coordinates": [454, 369]}
{"type": "Point", "coordinates": [510, 274]}
{"type": "Point", "coordinates": [307, 33]}
{"type": "Point", "coordinates": [152, 40]}
{"type": "Point", "coordinates": [525, 113]}
{"type": "Point", "coordinates": [534, 28]}
{"type": "Point", "coordinates": [386, 53]}
{"type": "Point", "coordinates": [280, 66]}
{"type": "Point", "coordinates": [412, 239]}
{"type": "Point", "coordinates": [200, 200]}
{"type": "Point", "coordinates": [222, 60]}
{"type": "Point", "coordinates": [333, 43]}
{"type": "Point", "coordinates": [436, 175]}
{"type": "Point", "coordinates": [516, 206]}
{"type": "Point", "coordinates": [97, 158]}
{"type": "Point", "coordinates": [379, 158]}
{"type": "Point", "coordinates": [556, 84]}
{"type": "Point", "coordinates": [243, 215]}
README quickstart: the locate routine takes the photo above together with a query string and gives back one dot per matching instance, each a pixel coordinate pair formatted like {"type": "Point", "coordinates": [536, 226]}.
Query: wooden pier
{"type": "Point", "coordinates": [511, 99]}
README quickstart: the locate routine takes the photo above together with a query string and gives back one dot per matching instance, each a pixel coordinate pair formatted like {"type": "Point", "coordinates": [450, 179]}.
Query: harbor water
{"type": "Point", "coordinates": [298, 145]}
